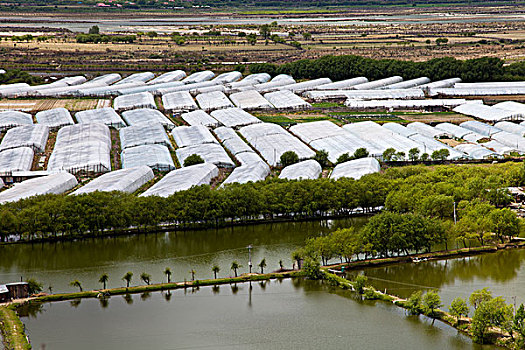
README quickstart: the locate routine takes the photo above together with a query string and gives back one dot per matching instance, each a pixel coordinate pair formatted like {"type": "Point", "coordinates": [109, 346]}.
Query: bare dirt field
{"type": "Point", "coordinates": [37, 105]}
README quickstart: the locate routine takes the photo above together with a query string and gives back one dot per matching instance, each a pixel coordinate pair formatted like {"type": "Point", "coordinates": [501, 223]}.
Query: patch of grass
{"type": "Point", "coordinates": [12, 329]}
{"type": "Point", "coordinates": [327, 105]}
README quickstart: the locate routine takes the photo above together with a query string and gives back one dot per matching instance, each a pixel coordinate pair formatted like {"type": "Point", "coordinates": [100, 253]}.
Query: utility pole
{"type": "Point", "coordinates": [455, 213]}
{"type": "Point", "coordinates": [250, 257]}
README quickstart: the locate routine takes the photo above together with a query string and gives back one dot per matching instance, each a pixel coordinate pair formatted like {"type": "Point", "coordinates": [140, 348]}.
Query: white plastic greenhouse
{"type": "Point", "coordinates": [11, 119]}
{"type": "Point", "coordinates": [54, 118]}
{"type": "Point", "coordinates": [231, 141]}
{"type": "Point", "coordinates": [184, 87]}
{"type": "Point", "coordinates": [404, 104]}
{"type": "Point", "coordinates": [144, 134]}
{"type": "Point", "coordinates": [192, 135]}
{"type": "Point", "coordinates": [503, 91]}
{"type": "Point", "coordinates": [155, 156]}
{"type": "Point", "coordinates": [342, 84]}
{"type": "Point", "coordinates": [511, 106]}
{"type": "Point", "coordinates": [151, 88]}
{"type": "Point", "coordinates": [209, 152]}
{"type": "Point", "coordinates": [459, 132]}
{"type": "Point", "coordinates": [475, 151]}
{"type": "Point", "coordinates": [481, 111]}
{"type": "Point", "coordinates": [511, 127]}
{"type": "Point", "coordinates": [500, 148]}
{"type": "Point", "coordinates": [247, 158]}
{"type": "Point", "coordinates": [356, 168]}
{"type": "Point", "coordinates": [136, 77]}
{"type": "Point", "coordinates": [514, 141]}
{"type": "Point", "coordinates": [134, 101]}
{"type": "Point", "coordinates": [183, 179]}
{"type": "Point", "coordinates": [55, 183]}
{"type": "Point", "coordinates": [199, 117]}
{"type": "Point", "coordinates": [400, 129]}
{"type": "Point", "coordinates": [82, 147]}
{"type": "Point", "coordinates": [445, 83]}
{"type": "Point", "coordinates": [376, 84]}
{"type": "Point", "coordinates": [252, 172]}
{"type": "Point", "coordinates": [224, 133]}
{"type": "Point", "coordinates": [147, 115]}
{"type": "Point", "coordinates": [257, 78]}
{"type": "Point", "coordinates": [494, 85]}
{"type": "Point", "coordinates": [429, 145]}
{"type": "Point", "coordinates": [271, 141]}
{"type": "Point", "coordinates": [123, 180]}
{"type": "Point", "coordinates": [234, 117]}
{"type": "Point", "coordinates": [198, 77]}
{"type": "Point", "coordinates": [228, 77]}
{"type": "Point", "coordinates": [16, 159]}
{"type": "Point", "coordinates": [364, 94]}
{"type": "Point", "coordinates": [429, 131]}
{"type": "Point", "coordinates": [32, 136]}
{"type": "Point", "coordinates": [382, 138]}
{"type": "Point", "coordinates": [178, 101]}
{"type": "Point", "coordinates": [285, 99]}
{"type": "Point", "coordinates": [480, 128]}
{"type": "Point", "coordinates": [407, 84]}
{"type": "Point", "coordinates": [205, 89]}
{"type": "Point", "coordinates": [274, 84]}
{"type": "Point", "coordinates": [168, 77]}
{"type": "Point", "coordinates": [306, 85]}
{"type": "Point", "coordinates": [211, 101]}
{"type": "Point", "coordinates": [306, 170]}
{"type": "Point", "coordinates": [309, 132]}
{"type": "Point", "coordinates": [250, 100]}
{"type": "Point", "coordinates": [106, 116]}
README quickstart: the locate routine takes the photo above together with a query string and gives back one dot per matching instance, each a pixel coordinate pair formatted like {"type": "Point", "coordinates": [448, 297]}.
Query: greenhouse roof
{"type": "Point", "coordinates": [199, 117]}
{"type": "Point", "coordinates": [16, 159]}
{"type": "Point", "coordinates": [106, 116]}
{"type": "Point", "coordinates": [123, 180]}
{"type": "Point", "coordinates": [155, 156]}
{"type": "Point", "coordinates": [209, 152]}
{"type": "Point", "coordinates": [356, 168]}
{"type": "Point", "coordinates": [192, 135]}
{"type": "Point", "coordinates": [147, 115]}
{"type": "Point", "coordinates": [54, 118]}
{"type": "Point", "coordinates": [33, 136]}
{"type": "Point", "coordinates": [144, 134]}
{"type": "Point", "coordinates": [55, 183]}
{"type": "Point", "coordinates": [308, 169]}
{"type": "Point", "coordinates": [234, 117]}
{"type": "Point", "coordinates": [134, 101]}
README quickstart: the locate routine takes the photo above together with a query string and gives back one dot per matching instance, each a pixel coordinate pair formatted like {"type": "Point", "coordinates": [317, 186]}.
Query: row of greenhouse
{"type": "Point", "coordinates": [250, 150]}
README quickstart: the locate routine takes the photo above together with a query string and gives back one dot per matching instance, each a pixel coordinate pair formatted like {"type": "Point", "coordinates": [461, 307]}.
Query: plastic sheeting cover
{"type": "Point", "coordinates": [211, 101]}
{"type": "Point", "coordinates": [376, 84]}
{"type": "Point", "coordinates": [11, 119]}
{"type": "Point", "coordinates": [144, 134]}
{"type": "Point", "coordinates": [356, 168]}
{"type": "Point", "coordinates": [511, 127]}
{"type": "Point", "coordinates": [192, 135]}
{"type": "Point", "coordinates": [155, 156]}
{"type": "Point", "coordinates": [199, 117]}
{"type": "Point", "coordinates": [54, 118]}
{"type": "Point", "coordinates": [33, 136]}
{"type": "Point", "coordinates": [198, 77]}
{"type": "Point", "coordinates": [342, 84]}
{"type": "Point", "coordinates": [250, 99]}
{"type": "Point", "coordinates": [476, 151]}
{"type": "Point", "coordinates": [147, 115]}
{"type": "Point", "coordinates": [480, 128]}
{"type": "Point", "coordinates": [16, 159]}
{"type": "Point", "coordinates": [167, 77]}
{"type": "Point", "coordinates": [134, 101]}
{"type": "Point", "coordinates": [286, 99]}
{"type": "Point", "coordinates": [179, 101]}
{"type": "Point", "coordinates": [55, 183]}
{"type": "Point", "coordinates": [123, 180]}
{"type": "Point", "coordinates": [252, 172]}
{"type": "Point", "coordinates": [234, 117]}
{"type": "Point", "coordinates": [106, 115]}
{"type": "Point", "coordinates": [209, 152]}
{"type": "Point", "coordinates": [183, 179]}
{"type": "Point", "coordinates": [308, 169]}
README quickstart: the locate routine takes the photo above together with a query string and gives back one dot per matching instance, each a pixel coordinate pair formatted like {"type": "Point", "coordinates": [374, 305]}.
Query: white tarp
{"type": "Point", "coordinates": [308, 169]}
{"type": "Point", "coordinates": [134, 101]}
{"type": "Point", "coordinates": [179, 101]}
{"type": "Point", "coordinates": [356, 168]}
{"type": "Point", "coordinates": [55, 183]}
{"type": "Point", "coordinates": [199, 117]}
{"type": "Point", "coordinates": [144, 134]}
{"type": "Point", "coordinates": [33, 136]}
{"type": "Point", "coordinates": [155, 156]}
{"type": "Point", "coordinates": [147, 115]}
{"type": "Point", "coordinates": [54, 118]}
{"type": "Point", "coordinates": [234, 117]}
{"type": "Point", "coordinates": [106, 115]}
{"type": "Point", "coordinates": [123, 180]}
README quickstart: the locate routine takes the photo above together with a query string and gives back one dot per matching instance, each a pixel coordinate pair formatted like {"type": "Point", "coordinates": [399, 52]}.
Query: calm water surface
{"type": "Point", "coordinates": [275, 315]}
{"type": "Point", "coordinates": [57, 264]}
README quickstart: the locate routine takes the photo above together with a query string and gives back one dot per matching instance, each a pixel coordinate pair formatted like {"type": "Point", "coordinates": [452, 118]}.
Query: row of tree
{"type": "Point", "coordinates": [350, 66]}
{"type": "Point", "coordinates": [427, 191]}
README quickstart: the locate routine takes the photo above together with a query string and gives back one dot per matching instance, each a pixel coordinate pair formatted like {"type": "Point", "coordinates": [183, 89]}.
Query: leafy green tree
{"type": "Point", "coordinates": [431, 302]}
{"type": "Point", "coordinates": [345, 157]}
{"type": "Point", "coordinates": [388, 154]}
{"type": "Point", "coordinates": [322, 158]}
{"type": "Point", "coordinates": [479, 296]}
{"type": "Point", "coordinates": [297, 257]}
{"type": "Point", "coordinates": [307, 36]}
{"type": "Point", "coordinates": [519, 325]}
{"type": "Point", "coordinates": [312, 269]}
{"type": "Point", "coordinates": [265, 31]}
{"type": "Point", "coordinates": [360, 283]}
{"type": "Point", "coordinates": [288, 158]}
{"type": "Point", "coordinates": [424, 157]}
{"type": "Point", "coordinates": [76, 283]}
{"type": "Point", "coordinates": [490, 313]}
{"type": "Point", "coordinates": [215, 269]}
{"type": "Point", "coordinates": [413, 154]}
{"type": "Point", "coordinates": [128, 277]}
{"type": "Point", "coordinates": [504, 223]}
{"type": "Point", "coordinates": [33, 286]}
{"type": "Point", "coordinates": [94, 30]}
{"type": "Point", "coordinates": [145, 277]}
{"type": "Point", "coordinates": [235, 266]}
{"type": "Point", "coordinates": [414, 303]}
{"type": "Point", "coordinates": [104, 280]}
{"type": "Point", "coordinates": [458, 308]}
{"type": "Point", "coordinates": [193, 160]}
{"type": "Point", "coordinates": [441, 154]}
{"type": "Point", "coordinates": [167, 272]}
{"type": "Point", "coordinates": [262, 265]}
{"type": "Point", "coordinates": [361, 153]}
{"type": "Point", "coordinates": [152, 34]}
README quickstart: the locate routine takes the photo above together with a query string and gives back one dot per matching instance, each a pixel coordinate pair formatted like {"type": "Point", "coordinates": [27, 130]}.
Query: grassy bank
{"type": "Point", "coordinates": [12, 330]}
